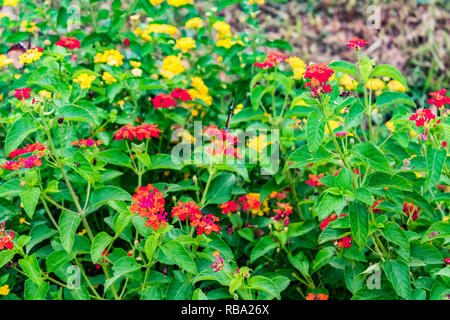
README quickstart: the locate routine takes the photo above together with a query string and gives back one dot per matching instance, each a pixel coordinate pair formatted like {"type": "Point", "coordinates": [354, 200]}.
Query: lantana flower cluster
{"type": "Point", "coordinates": [190, 210]}
{"type": "Point", "coordinates": [140, 132]}
{"type": "Point", "coordinates": [6, 237]}
{"type": "Point", "coordinates": [149, 202]}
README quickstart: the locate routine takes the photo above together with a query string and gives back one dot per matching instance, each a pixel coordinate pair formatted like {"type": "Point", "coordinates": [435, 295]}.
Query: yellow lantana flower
{"type": "Point", "coordinates": [135, 64]}
{"type": "Point", "coordinates": [390, 125]}
{"type": "Point", "coordinates": [298, 66]}
{"type": "Point", "coordinates": [161, 28]}
{"type": "Point", "coordinates": [375, 85]}
{"type": "Point", "coordinates": [4, 290]}
{"type": "Point", "coordinates": [348, 82]}
{"type": "Point", "coordinates": [256, 2]}
{"type": "Point", "coordinates": [223, 29]}
{"type": "Point", "coordinates": [84, 80]}
{"type": "Point", "coordinates": [333, 125]}
{"type": "Point", "coordinates": [111, 57]}
{"type": "Point", "coordinates": [184, 44]}
{"type": "Point", "coordinates": [10, 3]}
{"type": "Point", "coordinates": [179, 3]}
{"type": "Point", "coordinates": [29, 26]}
{"type": "Point", "coordinates": [171, 66]}
{"type": "Point", "coordinates": [4, 60]}
{"type": "Point", "coordinates": [200, 90]}
{"type": "Point", "coordinates": [238, 108]}
{"type": "Point", "coordinates": [258, 143]}
{"type": "Point", "coordinates": [194, 23]}
{"type": "Point", "coordinates": [108, 78]}
{"type": "Point", "coordinates": [156, 2]}
{"type": "Point", "coordinates": [30, 56]}
{"type": "Point", "coordinates": [45, 94]}
{"type": "Point", "coordinates": [395, 85]}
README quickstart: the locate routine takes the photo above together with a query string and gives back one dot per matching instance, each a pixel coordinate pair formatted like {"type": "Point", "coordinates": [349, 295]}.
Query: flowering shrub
{"type": "Point", "coordinates": [155, 152]}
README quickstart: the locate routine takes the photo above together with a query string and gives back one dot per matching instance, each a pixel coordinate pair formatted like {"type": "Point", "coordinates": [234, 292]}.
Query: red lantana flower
{"type": "Point", "coordinates": [356, 43]}
{"type": "Point", "coordinates": [181, 94]}
{"type": "Point", "coordinates": [83, 143]}
{"type": "Point", "coordinates": [222, 143]}
{"type": "Point", "coordinates": [409, 209]}
{"type": "Point", "coordinates": [272, 59]}
{"type": "Point", "coordinates": [149, 202]}
{"type": "Point", "coordinates": [314, 180]}
{"type": "Point", "coordinates": [318, 74]}
{"type": "Point", "coordinates": [22, 94]}
{"type": "Point", "coordinates": [422, 117]}
{"type": "Point", "coordinates": [6, 238]}
{"type": "Point", "coordinates": [439, 98]}
{"type": "Point", "coordinates": [163, 100]}
{"type": "Point", "coordinates": [126, 42]}
{"type": "Point", "coordinates": [320, 296]}
{"type": "Point", "coordinates": [143, 131]}
{"type": "Point", "coordinates": [327, 220]}
{"type": "Point", "coordinates": [376, 203]}
{"type": "Point", "coordinates": [229, 206]}
{"type": "Point", "coordinates": [285, 209]}
{"type": "Point", "coordinates": [70, 43]}
{"type": "Point", "coordinates": [28, 149]}
{"type": "Point", "coordinates": [344, 242]}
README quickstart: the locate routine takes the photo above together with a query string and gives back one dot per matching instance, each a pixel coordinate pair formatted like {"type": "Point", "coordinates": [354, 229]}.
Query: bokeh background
{"type": "Point", "coordinates": [412, 35]}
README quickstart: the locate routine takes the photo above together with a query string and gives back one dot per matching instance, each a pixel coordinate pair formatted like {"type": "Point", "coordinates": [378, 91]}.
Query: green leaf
{"type": "Point", "coordinates": [175, 251]}
{"type": "Point", "coordinates": [398, 275]}
{"type": "Point", "coordinates": [235, 284]}
{"type": "Point", "coordinates": [6, 256]}
{"type": "Point", "coordinates": [18, 131]}
{"type": "Point", "coordinates": [344, 179]}
{"type": "Point", "coordinates": [80, 293]}
{"type": "Point", "coordinates": [351, 272]}
{"type": "Point", "coordinates": [150, 246]}
{"type": "Point", "coordinates": [388, 98]}
{"type": "Point", "coordinates": [31, 268]}
{"type": "Point", "coordinates": [385, 180]}
{"type": "Point", "coordinates": [263, 246]}
{"type": "Point", "coordinates": [322, 258]}
{"type": "Point", "coordinates": [435, 164]}
{"type": "Point", "coordinates": [68, 224]}
{"type": "Point", "coordinates": [38, 234]}
{"type": "Point", "coordinates": [314, 131]}
{"type": "Point", "coordinates": [424, 254]}
{"type": "Point", "coordinates": [371, 155]}
{"type": "Point", "coordinates": [344, 67]}
{"type": "Point", "coordinates": [393, 233]}
{"type": "Point", "coordinates": [328, 204]}
{"type": "Point", "coordinates": [359, 223]}
{"type": "Point", "coordinates": [35, 292]}
{"type": "Point", "coordinates": [265, 284]}
{"type": "Point", "coordinates": [103, 194]}
{"type": "Point", "coordinates": [235, 167]}
{"type": "Point", "coordinates": [30, 197]}
{"type": "Point", "coordinates": [57, 259]}
{"type": "Point", "coordinates": [164, 161]}
{"type": "Point", "coordinates": [77, 113]}
{"type": "Point", "coordinates": [436, 231]}
{"type": "Point", "coordinates": [115, 156]}
{"type": "Point", "coordinates": [385, 70]}
{"type": "Point", "coordinates": [300, 262]}
{"type": "Point", "coordinates": [221, 187]}
{"type": "Point", "coordinates": [122, 267]}
{"type": "Point", "coordinates": [220, 245]}
{"type": "Point", "coordinates": [199, 295]}
{"type": "Point", "coordinates": [100, 243]}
